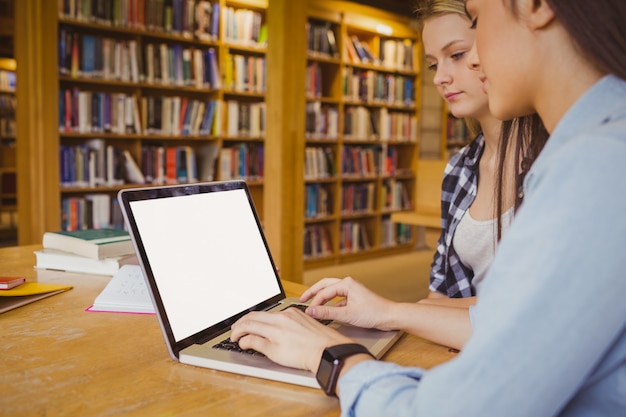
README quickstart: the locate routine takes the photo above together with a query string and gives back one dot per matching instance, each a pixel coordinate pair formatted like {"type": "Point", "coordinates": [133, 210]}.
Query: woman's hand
{"type": "Point", "coordinates": [359, 306]}
{"type": "Point", "coordinates": [289, 337]}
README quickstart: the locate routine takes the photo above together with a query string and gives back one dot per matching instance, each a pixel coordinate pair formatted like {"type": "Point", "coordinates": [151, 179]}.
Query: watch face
{"type": "Point", "coordinates": [325, 370]}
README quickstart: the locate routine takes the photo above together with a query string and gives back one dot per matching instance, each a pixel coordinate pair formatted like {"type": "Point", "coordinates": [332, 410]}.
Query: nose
{"type": "Point", "coordinates": [442, 77]}
{"type": "Point", "coordinates": [473, 62]}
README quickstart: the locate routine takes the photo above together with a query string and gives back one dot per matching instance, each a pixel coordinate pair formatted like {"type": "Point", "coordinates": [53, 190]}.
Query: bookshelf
{"type": "Point", "coordinates": [159, 93]}
{"type": "Point", "coordinates": [8, 141]}
{"type": "Point", "coordinates": [455, 134]}
{"type": "Point", "coordinates": [278, 185]}
{"type": "Point", "coordinates": [362, 93]}
{"type": "Point", "coordinates": [8, 104]}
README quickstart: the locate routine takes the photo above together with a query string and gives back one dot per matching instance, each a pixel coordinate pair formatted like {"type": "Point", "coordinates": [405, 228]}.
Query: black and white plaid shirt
{"type": "Point", "coordinates": [448, 275]}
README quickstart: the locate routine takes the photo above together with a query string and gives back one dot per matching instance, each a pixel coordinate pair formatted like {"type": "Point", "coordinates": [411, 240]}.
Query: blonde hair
{"type": "Point", "coordinates": [426, 9]}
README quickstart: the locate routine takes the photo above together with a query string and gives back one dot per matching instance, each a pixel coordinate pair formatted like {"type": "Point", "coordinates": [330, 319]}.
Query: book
{"type": "Point", "coordinates": [6, 283]}
{"type": "Point", "coordinates": [91, 243]}
{"type": "Point", "coordinates": [28, 293]}
{"type": "Point", "coordinates": [69, 262]}
{"type": "Point", "coordinates": [127, 292]}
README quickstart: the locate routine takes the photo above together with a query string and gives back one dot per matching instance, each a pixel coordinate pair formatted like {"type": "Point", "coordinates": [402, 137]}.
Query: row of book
{"type": "Point", "coordinates": [7, 126]}
{"type": "Point", "coordinates": [357, 198]}
{"type": "Point", "coordinates": [244, 27]}
{"type": "Point", "coordinates": [317, 201]}
{"type": "Point", "coordinates": [99, 112]}
{"type": "Point", "coordinates": [377, 88]}
{"type": "Point", "coordinates": [7, 115]}
{"type": "Point", "coordinates": [360, 161]}
{"type": "Point", "coordinates": [456, 131]}
{"type": "Point", "coordinates": [362, 123]}
{"type": "Point", "coordinates": [245, 73]}
{"type": "Point", "coordinates": [181, 116]}
{"type": "Point", "coordinates": [92, 164]}
{"type": "Point", "coordinates": [91, 211]}
{"type": "Point", "coordinates": [8, 102]}
{"type": "Point", "coordinates": [321, 121]}
{"type": "Point", "coordinates": [394, 195]}
{"type": "Point", "coordinates": [357, 161]}
{"type": "Point", "coordinates": [393, 234]}
{"type": "Point", "coordinates": [178, 164]}
{"type": "Point", "coordinates": [97, 57]}
{"type": "Point", "coordinates": [353, 238]}
{"type": "Point", "coordinates": [184, 17]}
{"type": "Point", "coordinates": [245, 119]}
{"type": "Point", "coordinates": [319, 162]}
{"type": "Point", "coordinates": [396, 54]}
{"type": "Point", "coordinates": [95, 163]}
{"type": "Point", "coordinates": [8, 80]}
{"type": "Point", "coordinates": [87, 111]}
{"type": "Point", "coordinates": [320, 39]}
{"type": "Point", "coordinates": [83, 111]}
{"type": "Point", "coordinates": [360, 197]}
{"type": "Point", "coordinates": [317, 242]}
{"type": "Point", "coordinates": [243, 161]}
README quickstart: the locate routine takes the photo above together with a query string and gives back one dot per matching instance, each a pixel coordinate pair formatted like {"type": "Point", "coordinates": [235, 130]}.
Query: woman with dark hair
{"type": "Point", "coordinates": [479, 196]}
{"type": "Point", "coordinates": [550, 324]}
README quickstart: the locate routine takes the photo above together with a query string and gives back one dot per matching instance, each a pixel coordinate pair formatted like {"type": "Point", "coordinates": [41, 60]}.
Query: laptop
{"type": "Point", "coordinates": [206, 262]}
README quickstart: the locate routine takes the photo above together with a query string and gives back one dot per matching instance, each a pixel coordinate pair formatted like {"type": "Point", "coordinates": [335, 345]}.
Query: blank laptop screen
{"type": "Point", "coordinates": [207, 256]}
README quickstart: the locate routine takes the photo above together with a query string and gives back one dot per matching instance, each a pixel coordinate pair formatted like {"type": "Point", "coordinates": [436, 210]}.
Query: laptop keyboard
{"type": "Point", "coordinates": [228, 344]}
{"type": "Point", "coordinates": [303, 307]}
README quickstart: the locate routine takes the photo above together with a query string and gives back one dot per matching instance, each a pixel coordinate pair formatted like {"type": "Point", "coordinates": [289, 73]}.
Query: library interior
{"type": "Point", "coordinates": [323, 107]}
{"type": "Point", "coordinates": [342, 140]}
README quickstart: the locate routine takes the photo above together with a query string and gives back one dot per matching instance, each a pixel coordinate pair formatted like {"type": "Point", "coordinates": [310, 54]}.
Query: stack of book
{"type": "Point", "coordinates": [90, 251]}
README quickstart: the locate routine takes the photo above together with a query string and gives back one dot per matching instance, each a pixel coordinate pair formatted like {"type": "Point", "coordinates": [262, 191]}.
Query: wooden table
{"type": "Point", "coordinates": [58, 360]}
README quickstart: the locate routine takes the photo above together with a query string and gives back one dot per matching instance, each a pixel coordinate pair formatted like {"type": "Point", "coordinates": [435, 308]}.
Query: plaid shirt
{"type": "Point", "coordinates": [448, 275]}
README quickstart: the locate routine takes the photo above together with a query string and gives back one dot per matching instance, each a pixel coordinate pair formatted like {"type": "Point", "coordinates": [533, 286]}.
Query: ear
{"type": "Point", "coordinates": [538, 12]}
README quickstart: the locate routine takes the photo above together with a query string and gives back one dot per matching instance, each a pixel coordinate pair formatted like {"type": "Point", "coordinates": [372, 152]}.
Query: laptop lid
{"type": "Point", "coordinates": [204, 255]}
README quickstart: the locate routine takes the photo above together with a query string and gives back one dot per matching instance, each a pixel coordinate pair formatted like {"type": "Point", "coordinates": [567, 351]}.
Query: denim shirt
{"type": "Point", "coordinates": [549, 336]}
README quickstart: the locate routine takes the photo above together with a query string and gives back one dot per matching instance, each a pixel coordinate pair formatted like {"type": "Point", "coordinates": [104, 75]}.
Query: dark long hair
{"type": "Point", "coordinates": [597, 27]}
{"type": "Point", "coordinates": [525, 136]}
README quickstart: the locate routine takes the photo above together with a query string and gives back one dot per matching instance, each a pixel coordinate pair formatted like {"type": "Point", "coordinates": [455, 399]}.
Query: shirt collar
{"type": "Point", "coordinates": [474, 152]}
{"type": "Point", "coordinates": [597, 106]}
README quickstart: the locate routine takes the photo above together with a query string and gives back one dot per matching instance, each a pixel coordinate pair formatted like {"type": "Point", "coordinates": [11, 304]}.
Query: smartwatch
{"type": "Point", "coordinates": [332, 361]}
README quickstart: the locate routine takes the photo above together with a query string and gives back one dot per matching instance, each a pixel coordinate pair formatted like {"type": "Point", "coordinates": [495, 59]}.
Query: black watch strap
{"type": "Point", "coordinates": [332, 361]}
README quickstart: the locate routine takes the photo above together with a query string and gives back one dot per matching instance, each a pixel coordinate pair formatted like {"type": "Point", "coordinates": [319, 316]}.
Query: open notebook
{"type": "Point", "coordinates": [207, 263]}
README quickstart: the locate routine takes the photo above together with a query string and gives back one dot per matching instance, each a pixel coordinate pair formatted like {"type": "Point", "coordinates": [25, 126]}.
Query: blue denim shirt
{"type": "Point", "coordinates": [549, 335]}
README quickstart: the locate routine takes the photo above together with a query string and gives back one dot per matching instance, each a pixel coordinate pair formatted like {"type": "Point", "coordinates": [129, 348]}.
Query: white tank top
{"type": "Point", "coordinates": [475, 243]}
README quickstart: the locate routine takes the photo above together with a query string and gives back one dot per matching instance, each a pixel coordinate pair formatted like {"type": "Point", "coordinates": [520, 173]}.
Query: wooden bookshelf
{"type": "Point", "coordinates": [8, 104]}
{"type": "Point", "coordinates": [155, 84]}
{"type": "Point", "coordinates": [280, 192]}
{"type": "Point", "coordinates": [455, 134]}
{"type": "Point", "coordinates": [361, 132]}
{"type": "Point", "coordinates": [8, 140]}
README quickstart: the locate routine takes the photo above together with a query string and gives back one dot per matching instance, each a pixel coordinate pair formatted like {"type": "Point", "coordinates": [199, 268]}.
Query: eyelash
{"type": "Point", "coordinates": [455, 56]}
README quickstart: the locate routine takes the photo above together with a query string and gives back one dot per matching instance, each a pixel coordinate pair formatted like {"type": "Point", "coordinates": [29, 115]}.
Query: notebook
{"type": "Point", "coordinates": [206, 262]}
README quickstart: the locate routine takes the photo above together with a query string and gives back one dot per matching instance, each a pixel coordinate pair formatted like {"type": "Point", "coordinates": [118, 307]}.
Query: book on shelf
{"type": "Point", "coordinates": [133, 172]}
{"type": "Point", "coordinates": [69, 262]}
{"type": "Point", "coordinates": [90, 243]}
{"type": "Point", "coordinates": [6, 283]}
{"type": "Point", "coordinates": [127, 292]}
{"type": "Point", "coordinates": [28, 292]}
